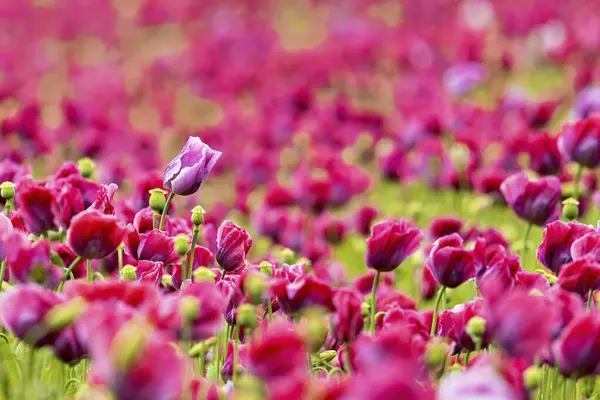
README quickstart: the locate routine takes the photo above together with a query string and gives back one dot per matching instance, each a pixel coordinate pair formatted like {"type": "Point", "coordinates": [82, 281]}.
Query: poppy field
{"type": "Point", "coordinates": [307, 199]}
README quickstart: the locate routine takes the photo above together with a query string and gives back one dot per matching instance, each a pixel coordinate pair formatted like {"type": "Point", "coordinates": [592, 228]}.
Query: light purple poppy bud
{"type": "Point", "coordinates": [185, 173]}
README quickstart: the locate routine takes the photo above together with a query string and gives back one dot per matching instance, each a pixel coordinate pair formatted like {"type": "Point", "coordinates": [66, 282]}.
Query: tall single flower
{"type": "Point", "coordinates": [535, 201]}
{"type": "Point", "coordinates": [94, 235]}
{"type": "Point", "coordinates": [450, 263]}
{"type": "Point", "coordinates": [233, 244]}
{"type": "Point", "coordinates": [185, 173]}
{"type": "Point", "coordinates": [390, 243]}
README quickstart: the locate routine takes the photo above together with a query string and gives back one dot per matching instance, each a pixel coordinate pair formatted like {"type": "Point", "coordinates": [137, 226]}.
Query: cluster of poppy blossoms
{"type": "Point", "coordinates": [403, 207]}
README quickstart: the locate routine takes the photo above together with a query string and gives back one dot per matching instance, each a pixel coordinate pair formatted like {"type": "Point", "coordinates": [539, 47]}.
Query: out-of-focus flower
{"type": "Point", "coordinates": [580, 142]}
{"type": "Point", "coordinates": [555, 249]}
{"type": "Point", "coordinates": [536, 201]}
{"type": "Point", "coordinates": [94, 234]}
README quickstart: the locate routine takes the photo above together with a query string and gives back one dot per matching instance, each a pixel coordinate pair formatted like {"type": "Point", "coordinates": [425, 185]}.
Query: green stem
{"type": "Point", "coordinates": [164, 213]}
{"type": "Point", "coordinates": [183, 270]}
{"type": "Point", "coordinates": [374, 302]}
{"type": "Point", "coordinates": [577, 179]}
{"type": "Point", "coordinates": [192, 248]}
{"type": "Point", "coordinates": [590, 299]}
{"type": "Point", "coordinates": [223, 274]}
{"type": "Point", "coordinates": [68, 272]}
{"type": "Point", "coordinates": [467, 356]}
{"type": "Point", "coordinates": [236, 339]}
{"type": "Point", "coordinates": [90, 275]}
{"type": "Point", "coordinates": [270, 308]}
{"type": "Point", "coordinates": [526, 243]}
{"type": "Point", "coordinates": [120, 257]}
{"type": "Point", "coordinates": [440, 295]}
{"type": "Point", "coordinates": [201, 363]}
{"type": "Point", "coordinates": [2, 272]}
{"type": "Point", "coordinates": [8, 207]}
{"type": "Point", "coordinates": [155, 219]}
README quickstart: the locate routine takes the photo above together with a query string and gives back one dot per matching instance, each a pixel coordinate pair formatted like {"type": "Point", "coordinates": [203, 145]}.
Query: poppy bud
{"type": "Point", "coordinates": [157, 200]}
{"type": "Point", "coordinates": [254, 287]}
{"type": "Point", "coordinates": [328, 355]}
{"type": "Point", "coordinates": [476, 327]}
{"type": "Point", "coordinates": [313, 329]}
{"type": "Point", "coordinates": [189, 307]}
{"type": "Point", "coordinates": [181, 244]}
{"type": "Point", "coordinates": [266, 268]}
{"type": "Point", "coordinates": [86, 166]}
{"type": "Point", "coordinates": [63, 315]}
{"type": "Point", "coordinates": [570, 209]}
{"type": "Point", "coordinates": [167, 280]}
{"type": "Point", "coordinates": [198, 215]}
{"type": "Point", "coordinates": [128, 344]}
{"type": "Point", "coordinates": [203, 274]}
{"type": "Point", "coordinates": [7, 190]}
{"type": "Point", "coordinates": [246, 316]}
{"type": "Point", "coordinates": [287, 256]}
{"type": "Point", "coordinates": [436, 353]}
{"type": "Point", "coordinates": [532, 377]}
{"type": "Point", "coordinates": [129, 273]}
{"type": "Point", "coordinates": [200, 348]}
{"type": "Point", "coordinates": [365, 308]}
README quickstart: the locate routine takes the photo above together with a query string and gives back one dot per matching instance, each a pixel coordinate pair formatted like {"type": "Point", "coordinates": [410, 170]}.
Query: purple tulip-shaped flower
{"type": "Point", "coordinates": [390, 243]}
{"type": "Point", "coordinates": [185, 173]}
{"type": "Point", "coordinates": [450, 263]}
{"type": "Point", "coordinates": [533, 200]}
{"type": "Point", "coordinates": [559, 236]}
{"type": "Point", "coordinates": [580, 142]}
{"type": "Point", "coordinates": [233, 244]}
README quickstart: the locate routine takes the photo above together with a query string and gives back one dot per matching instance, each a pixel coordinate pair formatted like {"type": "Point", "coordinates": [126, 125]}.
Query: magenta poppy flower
{"type": "Point", "coordinates": [452, 324]}
{"type": "Point", "coordinates": [577, 349]}
{"type": "Point", "coordinates": [580, 276]}
{"type": "Point", "coordinates": [444, 226]}
{"type": "Point", "coordinates": [347, 321]}
{"type": "Point", "coordinates": [185, 173]}
{"type": "Point", "coordinates": [152, 246]}
{"type": "Point", "coordinates": [94, 235]}
{"type": "Point", "coordinates": [521, 324]}
{"type": "Point", "coordinates": [233, 244]}
{"type": "Point", "coordinates": [330, 229]}
{"type": "Point", "coordinates": [31, 262]}
{"type": "Point", "coordinates": [429, 285]}
{"type": "Point", "coordinates": [535, 201]}
{"type": "Point", "coordinates": [568, 306]}
{"type": "Point", "coordinates": [36, 205]}
{"type": "Point", "coordinates": [363, 220]}
{"type": "Point", "coordinates": [104, 199]}
{"type": "Point", "coordinates": [478, 382]}
{"type": "Point", "coordinates": [555, 249]}
{"type": "Point", "coordinates": [143, 221]}
{"type": "Point", "coordinates": [136, 295]}
{"type": "Point", "coordinates": [22, 311]}
{"type": "Point", "coordinates": [69, 202]}
{"type": "Point", "coordinates": [149, 271]}
{"type": "Point", "coordinates": [580, 142]}
{"type": "Point", "coordinates": [67, 348]}
{"type": "Point", "coordinates": [450, 263]}
{"type": "Point", "coordinates": [545, 157]}
{"type": "Point", "coordinates": [391, 242]}
{"type": "Point", "coordinates": [242, 360]}
{"type": "Point", "coordinates": [303, 292]}
{"type": "Point", "coordinates": [586, 246]}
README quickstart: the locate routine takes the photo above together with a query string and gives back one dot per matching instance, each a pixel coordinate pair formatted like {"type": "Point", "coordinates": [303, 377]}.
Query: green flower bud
{"type": "Point", "coordinates": [254, 287]}
{"type": "Point", "coordinates": [313, 329]}
{"type": "Point", "coordinates": [328, 355]}
{"type": "Point", "coordinates": [532, 377]}
{"type": "Point", "coordinates": [182, 244]}
{"type": "Point", "coordinates": [203, 274]}
{"type": "Point", "coordinates": [167, 280]}
{"type": "Point", "coordinates": [198, 215]}
{"type": "Point", "coordinates": [158, 200]}
{"type": "Point", "coordinates": [189, 308]}
{"type": "Point", "coordinates": [476, 327]}
{"type": "Point", "coordinates": [63, 315]}
{"type": "Point", "coordinates": [129, 273]}
{"type": "Point", "coordinates": [87, 166]}
{"type": "Point", "coordinates": [266, 268]}
{"type": "Point", "coordinates": [246, 316]}
{"type": "Point", "coordinates": [436, 353]}
{"type": "Point", "coordinates": [307, 263]}
{"type": "Point", "coordinates": [365, 309]}
{"type": "Point", "coordinates": [7, 190]}
{"type": "Point", "coordinates": [456, 367]}
{"type": "Point", "coordinates": [570, 209]}
{"type": "Point", "coordinates": [128, 344]}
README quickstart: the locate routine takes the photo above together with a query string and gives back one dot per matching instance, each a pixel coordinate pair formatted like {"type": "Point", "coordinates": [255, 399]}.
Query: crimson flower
{"type": "Point", "coordinates": [94, 234]}
{"type": "Point", "coordinates": [391, 242]}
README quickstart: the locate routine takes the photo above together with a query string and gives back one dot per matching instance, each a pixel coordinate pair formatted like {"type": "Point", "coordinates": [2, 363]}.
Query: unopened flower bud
{"type": "Point", "coordinates": [328, 355]}
{"type": "Point", "coordinates": [158, 200]}
{"type": "Point", "coordinates": [198, 215]}
{"type": "Point", "coordinates": [63, 315]}
{"type": "Point", "coordinates": [7, 190]}
{"type": "Point", "coordinates": [203, 274]}
{"type": "Point", "coordinates": [287, 256]}
{"type": "Point", "coordinates": [313, 329]}
{"type": "Point", "coordinates": [129, 273]}
{"type": "Point", "coordinates": [254, 287]}
{"type": "Point", "coordinates": [476, 327]}
{"type": "Point", "coordinates": [532, 377]}
{"type": "Point", "coordinates": [189, 308]}
{"type": "Point", "coordinates": [128, 344]}
{"type": "Point", "coordinates": [87, 166]}
{"type": "Point", "coordinates": [167, 280]}
{"type": "Point", "coordinates": [436, 353]}
{"type": "Point", "coordinates": [246, 316]}
{"type": "Point", "coordinates": [182, 244]}
{"type": "Point", "coordinates": [266, 268]}
{"type": "Point", "coordinates": [365, 309]}
{"type": "Point", "coordinates": [456, 367]}
{"type": "Point", "coordinates": [570, 209]}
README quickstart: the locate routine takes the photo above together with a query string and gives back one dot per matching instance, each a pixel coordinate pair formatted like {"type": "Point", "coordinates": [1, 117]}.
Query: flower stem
{"type": "Point", "coordinates": [236, 339]}
{"type": "Point", "coordinates": [155, 220]}
{"type": "Point", "coordinates": [374, 302]}
{"type": "Point", "coordinates": [192, 247]}
{"type": "Point", "coordinates": [526, 242]}
{"type": "Point", "coordinates": [8, 207]}
{"type": "Point", "coordinates": [2, 272]}
{"type": "Point", "coordinates": [577, 179]}
{"type": "Point", "coordinates": [90, 275]}
{"type": "Point", "coordinates": [120, 257]}
{"type": "Point", "coordinates": [590, 299]}
{"type": "Point", "coordinates": [68, 272]}
{"type": "Point", "coordinates": [164, 213]}
{"type": "Point", "coordinates": [270, 308]}
{"type": "Point", "coordinates": [223, 274]}
{"type": "Point", "coordinates": [438, 300]}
